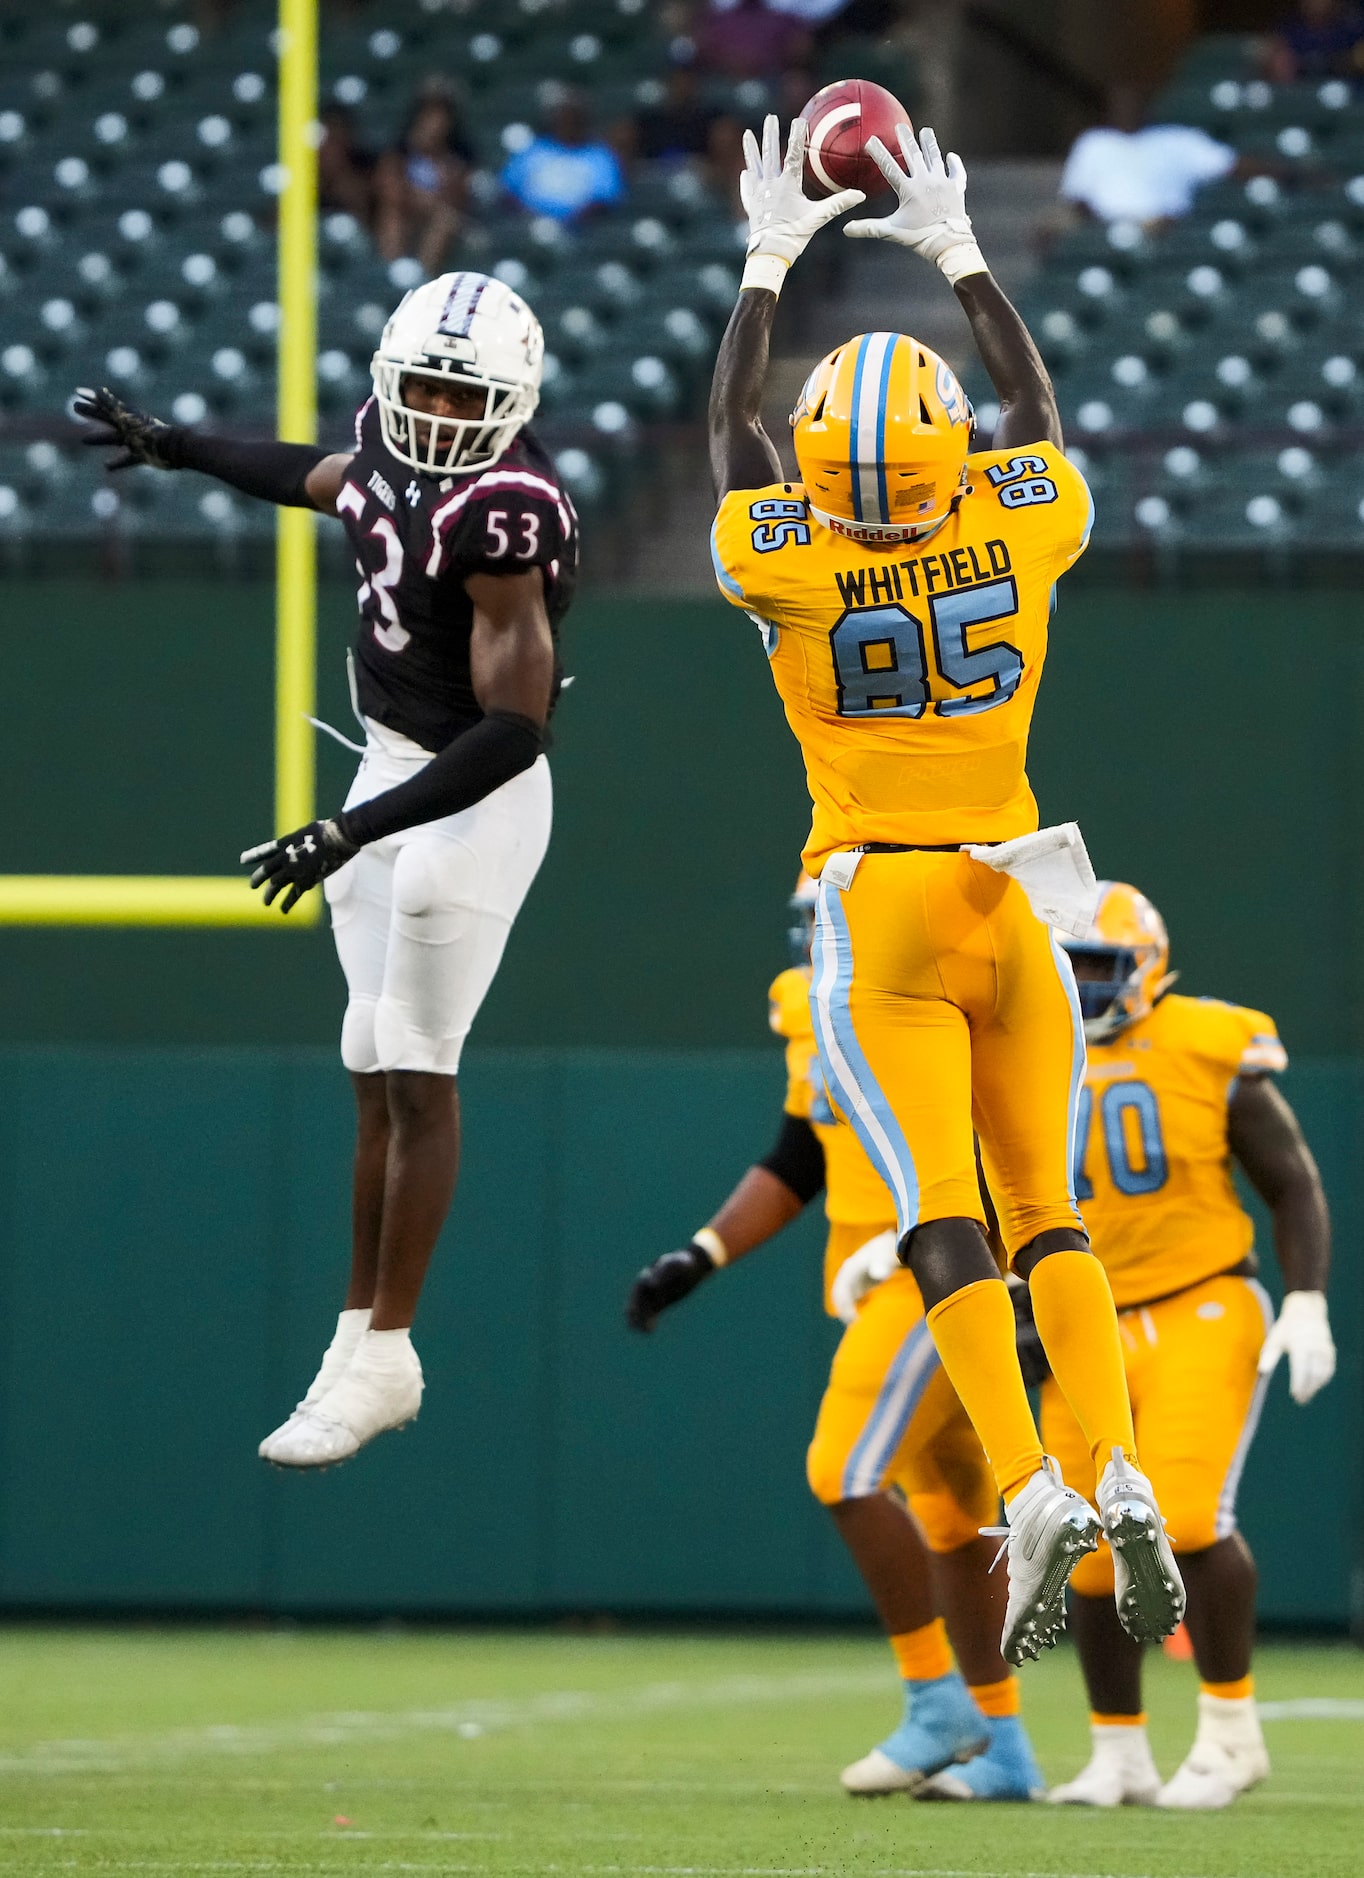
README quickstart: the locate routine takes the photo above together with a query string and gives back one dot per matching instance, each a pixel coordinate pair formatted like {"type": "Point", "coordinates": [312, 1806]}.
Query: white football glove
{"type": "Point", "coordinates": [870, 1265]}
{"type": "Point", "coordinates": [931, 217]}
{"type": "Point", "coordinates": [1304, 1333]}
{"type": "Point", "coordinates": [781, 217]}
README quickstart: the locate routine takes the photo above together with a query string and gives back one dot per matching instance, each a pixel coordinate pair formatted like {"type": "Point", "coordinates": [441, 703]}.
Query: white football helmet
{"type": "Point", "coordinates": [473, 330]}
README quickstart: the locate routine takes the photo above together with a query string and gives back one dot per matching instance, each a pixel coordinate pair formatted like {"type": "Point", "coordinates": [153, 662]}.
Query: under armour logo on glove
{"type": "Point", "coordinates": [299, 861]}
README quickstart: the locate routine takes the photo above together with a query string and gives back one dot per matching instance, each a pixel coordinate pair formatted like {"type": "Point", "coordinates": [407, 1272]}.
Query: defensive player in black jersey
{"type": "Point", "coordinates": [466, 546]}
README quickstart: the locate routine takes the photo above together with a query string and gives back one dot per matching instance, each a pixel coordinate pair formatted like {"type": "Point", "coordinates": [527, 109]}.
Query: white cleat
{"type": "Point", "coordinates": [1050, 1528]}
{"type": "Point", "coordinates": [350, 1327]}
{"type": "Point", "coordinates": [381, 1389]}
{"type": "Point", "coordinates": [1147, 1585]}
{"type": "Point", "coordinates": [877, 1773]}
{"type": "Point", "coordinates": [1121, 1772]}
{"type": "Point", "coordinates": [1227, 1758]}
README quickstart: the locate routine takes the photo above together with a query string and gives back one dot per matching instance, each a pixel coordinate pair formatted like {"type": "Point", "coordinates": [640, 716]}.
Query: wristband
{"type": "Point", "coordinates": [963, 258]}
{"type": "Point", "coordinates": [765, 270]}
{"type": "Point", "coordinates": [713, 1245]}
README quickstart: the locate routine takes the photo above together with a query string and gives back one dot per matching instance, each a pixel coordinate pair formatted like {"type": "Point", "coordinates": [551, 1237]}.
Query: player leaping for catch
{"type": "Point", "coordinates": [466, 546]}
{"type": "Point", "coordinates": [903, 588]}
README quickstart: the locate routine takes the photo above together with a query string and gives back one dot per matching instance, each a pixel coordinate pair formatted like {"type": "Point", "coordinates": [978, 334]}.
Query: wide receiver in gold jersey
{"type": "Point", "coordinates": [894, 1457]}
{"type": "Point", "coordinates": [1176, 1090]}
{"type": "Point", "coordinates": [903, 589]}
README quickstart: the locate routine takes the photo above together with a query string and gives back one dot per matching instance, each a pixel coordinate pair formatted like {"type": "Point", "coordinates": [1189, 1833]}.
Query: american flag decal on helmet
{"type": "Point", "coordinates": [466, 291]}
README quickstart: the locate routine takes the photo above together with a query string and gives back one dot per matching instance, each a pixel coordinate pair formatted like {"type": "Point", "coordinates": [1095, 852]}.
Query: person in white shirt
{"type": "Point", "coordinates": [1124, 171]}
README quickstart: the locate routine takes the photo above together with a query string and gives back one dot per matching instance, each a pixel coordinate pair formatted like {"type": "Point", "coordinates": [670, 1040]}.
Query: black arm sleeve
{"type": "Point", "coordinates": [797, 1159]}
{"type": "Point", "coordinates": [477, 762]}
{"type": "Point", "coordinates": [276, 472]}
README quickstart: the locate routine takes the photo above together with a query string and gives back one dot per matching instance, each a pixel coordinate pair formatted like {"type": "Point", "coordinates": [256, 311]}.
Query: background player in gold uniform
{"type": "Point", "coordinates": [1176, 1090]}
{"type": "Point", "coordinates": [903, 588]}
{"type": "Point", "coordinates": [890, 1431]}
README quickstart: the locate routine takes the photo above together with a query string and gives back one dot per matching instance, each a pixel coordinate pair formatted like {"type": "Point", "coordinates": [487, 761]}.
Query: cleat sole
{"type": "Point", "coordinates": [1152, 1602]}
{"type": "Point", "coordinates": [1041, 1628]}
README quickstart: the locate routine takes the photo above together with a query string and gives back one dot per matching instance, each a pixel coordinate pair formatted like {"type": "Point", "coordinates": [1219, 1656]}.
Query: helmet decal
{"type": "Point", "coordinates": [953, 397]}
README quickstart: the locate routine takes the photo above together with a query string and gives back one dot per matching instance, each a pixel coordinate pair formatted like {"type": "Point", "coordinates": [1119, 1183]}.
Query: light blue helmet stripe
{"type": "Point", "coordinates": [882, 399]}
{"type": "Point", "coordinates": [854, 436]}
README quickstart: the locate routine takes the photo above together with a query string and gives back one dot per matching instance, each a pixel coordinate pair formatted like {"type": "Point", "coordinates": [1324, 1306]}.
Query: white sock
{"type": "Point", "coordinates": [1231, 1723]}
{"type": "Point", "coordinates": [1128, 1744]}
{"type": "Point", "coordinates": [350, 1327]}
{"type": "Point", "coordinates": [387, 1349]}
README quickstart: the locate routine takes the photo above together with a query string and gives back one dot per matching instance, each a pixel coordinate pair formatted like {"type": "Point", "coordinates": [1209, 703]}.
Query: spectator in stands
{"type": "Point", "coordinates": [681, 124]}
{"type": "Point", "coordinates": [1124, 171]}
{"type": "Point", "coordinates": [421, 185]}
{"type": "Point", "coordinates": [345, 169]}
{"type": "Point", "coordinates": [749, 39]}
{"type": "Point", "coordinates": [1321, 39]}
{"type": "Point", "coordinates": [567, 171]}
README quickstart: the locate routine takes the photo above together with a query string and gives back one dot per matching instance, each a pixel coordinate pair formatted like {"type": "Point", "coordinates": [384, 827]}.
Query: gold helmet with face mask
{"type": "Point", "coordinates": [1127, 951]}
{"type": "Point", "coordinates": [882, 429]}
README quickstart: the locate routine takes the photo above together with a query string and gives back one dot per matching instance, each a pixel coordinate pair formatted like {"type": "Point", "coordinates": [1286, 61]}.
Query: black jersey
{"type": "Point", "coordinates": [416, 540]}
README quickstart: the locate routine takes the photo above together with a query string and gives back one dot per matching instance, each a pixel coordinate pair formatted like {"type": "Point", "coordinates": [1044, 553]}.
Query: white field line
{"type": "Point", "coordinates": [467, 1721]}
{"type": "Point", "coordinates": [1313, 1708]}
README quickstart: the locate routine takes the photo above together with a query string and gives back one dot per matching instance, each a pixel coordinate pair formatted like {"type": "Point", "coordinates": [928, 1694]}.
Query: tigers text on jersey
{"type": "Point", "coordinates": [909, 674]}
{"type": "Point", "coordinates": [416, 540]}
{"type": "Point", "coordinates": [854, 1193]}
{"type": "Point", "coordinates": [1153, 1168]}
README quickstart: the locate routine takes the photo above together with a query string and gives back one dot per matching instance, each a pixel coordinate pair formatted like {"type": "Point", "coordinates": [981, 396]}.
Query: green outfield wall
{"type": "Point", "coordinates": [174, 1127]}
{"type": "Point", "coordinates": [1209, 742]}
{"type": "Point", "coordinates": [173, 1241]}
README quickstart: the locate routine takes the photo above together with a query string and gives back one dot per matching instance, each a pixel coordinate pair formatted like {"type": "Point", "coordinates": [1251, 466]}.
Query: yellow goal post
{"type": "Point", "coordinates": [227, 900]}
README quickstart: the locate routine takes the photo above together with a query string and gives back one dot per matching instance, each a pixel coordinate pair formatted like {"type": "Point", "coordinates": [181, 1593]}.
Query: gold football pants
{"type": "Point", "coordinates": [944, 1009]}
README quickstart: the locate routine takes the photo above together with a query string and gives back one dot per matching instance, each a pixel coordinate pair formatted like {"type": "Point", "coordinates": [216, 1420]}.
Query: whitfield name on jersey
{"type": "Point", "coordinates": [417, 539]}
{"type": "Point", "coordinates": [909, 678]}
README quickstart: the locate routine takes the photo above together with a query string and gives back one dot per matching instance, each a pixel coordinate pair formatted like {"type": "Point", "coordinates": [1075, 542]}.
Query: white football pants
{"type": "Point", "coordinates": [421, 918]}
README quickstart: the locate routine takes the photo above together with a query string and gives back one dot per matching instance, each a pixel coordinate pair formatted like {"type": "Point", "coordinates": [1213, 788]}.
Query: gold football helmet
{"type": "Point", "coordinates": [882, 430]}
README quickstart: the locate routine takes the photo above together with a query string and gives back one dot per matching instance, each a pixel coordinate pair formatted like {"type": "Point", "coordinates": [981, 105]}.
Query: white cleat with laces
{"type": "Point", "coordinates": [381, 1389]}
{"type": "Point", "coordinates": [1147, 1585]}
{"type": "Point", "coordinates": [1049, 1528]}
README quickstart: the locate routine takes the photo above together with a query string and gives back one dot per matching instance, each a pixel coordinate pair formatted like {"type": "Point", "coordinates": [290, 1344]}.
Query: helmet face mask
{"type": "Point", "coordinates": [464, 331]}
{"type": "Point", "coordinates": [1122, 958]}
{"type": "Point", "coordinates": [882, 430]}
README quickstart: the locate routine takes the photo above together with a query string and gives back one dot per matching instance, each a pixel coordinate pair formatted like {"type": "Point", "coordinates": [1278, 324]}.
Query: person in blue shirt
{"type": "Point", "coordinates": [566, 171]}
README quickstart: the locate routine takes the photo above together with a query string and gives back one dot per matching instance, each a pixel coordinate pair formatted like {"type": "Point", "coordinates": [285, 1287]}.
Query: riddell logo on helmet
{"type": "Point", "coordinates": [870, 531]}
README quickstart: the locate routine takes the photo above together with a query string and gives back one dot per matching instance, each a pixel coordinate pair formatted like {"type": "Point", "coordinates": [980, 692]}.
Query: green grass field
{"type": "Point", "coordinates": [350, 1752]}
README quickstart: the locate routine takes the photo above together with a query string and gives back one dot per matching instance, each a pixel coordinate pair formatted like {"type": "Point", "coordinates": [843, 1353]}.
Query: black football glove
{"type": "Point", "coordinates": [1032, 1358]}
{"type": "Point", "coordinates": [298, 861]}
{"type": "Point", "coordinates": [667, 1281]}
{"type": "Point", "coordinates": [140, 438]}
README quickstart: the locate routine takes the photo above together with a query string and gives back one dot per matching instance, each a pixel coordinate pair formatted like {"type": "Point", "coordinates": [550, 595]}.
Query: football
{"type": "Point", "coordinates": [841, 118]}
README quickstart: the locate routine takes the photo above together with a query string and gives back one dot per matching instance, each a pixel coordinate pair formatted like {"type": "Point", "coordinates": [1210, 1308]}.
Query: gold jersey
{"type": "Point", "coordinates": [854, 1193]}
{"type": "Point", "coordinates": [1153, 1167]}
{"type": "Point", "coordinates": [909, 675]}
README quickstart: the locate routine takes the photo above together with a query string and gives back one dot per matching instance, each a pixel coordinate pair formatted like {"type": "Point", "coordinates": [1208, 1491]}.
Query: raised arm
{"type": "Point", "coordinates": [293, 475]}
{"type": "Point", "coordinates": [930, 218]}
{"type": "Point", "coordinates": [781, 221]}
{"type": "Point", "coordinates": [511, 658]}
{"type": "Point", "coordinates": [769, 1196]}
{"type": "Point", "coordinates": [1264, 1136]}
